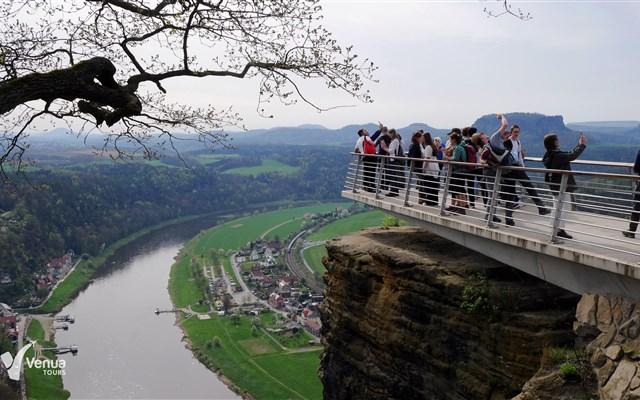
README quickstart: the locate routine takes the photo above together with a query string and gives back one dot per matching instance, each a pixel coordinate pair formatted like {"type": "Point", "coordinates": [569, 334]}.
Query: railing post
{"type": "Point", "coordinates": [355, 178]}
{"type": "Point", "coordinates": [380, 173]}
{"type": "Point", "coordinates": [495, 189]}
{"type": "Point", "coordinates": [445, 191]}
{"type": "Point", "coordinates": [559, 203]}
{"type": "Point", "coordinates": [406, 195]}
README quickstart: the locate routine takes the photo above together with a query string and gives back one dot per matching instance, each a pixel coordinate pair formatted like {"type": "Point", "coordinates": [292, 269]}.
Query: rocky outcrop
{"type": "Point", "coordinates": [409, 315]}
{"type": "Point", "coordinates": [615, 353]}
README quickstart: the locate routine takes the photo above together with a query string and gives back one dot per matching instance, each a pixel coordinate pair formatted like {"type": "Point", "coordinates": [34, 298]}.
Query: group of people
{"type": "Point", "coordinates": [467, 145]}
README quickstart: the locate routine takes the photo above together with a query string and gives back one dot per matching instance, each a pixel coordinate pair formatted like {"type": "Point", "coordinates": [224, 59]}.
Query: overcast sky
{"type": "Point", "coordinates": [446, 63]}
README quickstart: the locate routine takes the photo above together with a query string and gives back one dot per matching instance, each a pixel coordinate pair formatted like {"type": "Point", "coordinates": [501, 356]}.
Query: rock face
{"type": "Point", "coordinates": [409, 315]}
{"type": "Point", "coordinates": [616, 351]}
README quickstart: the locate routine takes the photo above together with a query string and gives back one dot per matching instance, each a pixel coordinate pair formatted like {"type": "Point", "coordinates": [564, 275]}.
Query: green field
{"type": "Point", "coordinates": [354, 223]}
{"type": "Point", "coordinates": [350, 224]}
{"type": "Point", "coordinates": [255, 364]}
{"type": "Point", "coordinates": [237, 233]}
{"type": "Point", "coordinates": [288, 228]}
{"type": "Point", "coordinates": [314, 255]}
{"type": "Point", "coordinates": [204, 159]}
{"type": "Point", "coordinates": [267, 166]}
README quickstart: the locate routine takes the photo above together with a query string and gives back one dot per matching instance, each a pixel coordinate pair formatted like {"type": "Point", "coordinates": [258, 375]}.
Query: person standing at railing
{"type": "Point", "coordinates": [517, 159]}
{"type": "Point", "coordinates": [457, 182]}
{"type": "Point", "coordinates": [554, 158]}
{"type": "Point", "coordinates": [416, 150]}
{"type": "Point", "coordinates": [394, 168]}
{"type": "Point", "coordinates": [382, 140]}
{"type": "Point", "coordinates": [472, 173]}
{"type": "Point", "coordinates": [431, 170]}
{"type": "Point", "coordinates": [635, 214]}
{"type": "Point", "coordinates": [496, 143]}
{"type": "Point", "coordinates": [518, 153]}
{"type": "Point", "coordinates": [478, 141]}
{"type": "Point", "coordinates": [438, 142]}
{"type": "Point", "coordinates": [365, 145]}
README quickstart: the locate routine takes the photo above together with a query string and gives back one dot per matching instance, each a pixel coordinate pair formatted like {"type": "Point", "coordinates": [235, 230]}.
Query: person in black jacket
{"type": "Point", "coordinates": [416, 150]}
{"type": "Point", "coordinates": [554, 158]}
{"type": "Point", "coordinates": [382, 140]}
{"type": "Point", "coordinates": [635, 214]}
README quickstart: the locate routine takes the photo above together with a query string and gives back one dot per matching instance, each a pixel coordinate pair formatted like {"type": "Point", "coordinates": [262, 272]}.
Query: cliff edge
{"type": "Point", "coordinates": [409, 315]}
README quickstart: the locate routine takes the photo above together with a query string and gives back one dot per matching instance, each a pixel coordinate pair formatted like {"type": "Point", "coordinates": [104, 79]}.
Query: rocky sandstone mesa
{"type": "Point", "coordinates": [409, 315]}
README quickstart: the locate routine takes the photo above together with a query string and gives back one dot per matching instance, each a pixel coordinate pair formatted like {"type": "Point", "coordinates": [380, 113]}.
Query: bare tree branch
{"type": "Point", "coordinates": [89, 60]}
{"type": "Point", "coordinates": [507, 10]}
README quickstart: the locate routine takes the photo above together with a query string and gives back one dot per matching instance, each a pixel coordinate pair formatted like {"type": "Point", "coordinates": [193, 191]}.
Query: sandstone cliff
{"type": "Point", "coordinates": [409, 315]}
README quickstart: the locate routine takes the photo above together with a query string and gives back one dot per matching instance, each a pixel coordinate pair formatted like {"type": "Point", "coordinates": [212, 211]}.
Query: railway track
{"type": "Point", "coordinates": [296, 270]}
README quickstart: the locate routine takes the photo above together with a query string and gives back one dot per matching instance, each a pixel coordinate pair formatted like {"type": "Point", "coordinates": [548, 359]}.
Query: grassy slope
{"type": "Point", "coordinates": [267, 166]}
{"type": "Point", "coordinates": [354, 223]}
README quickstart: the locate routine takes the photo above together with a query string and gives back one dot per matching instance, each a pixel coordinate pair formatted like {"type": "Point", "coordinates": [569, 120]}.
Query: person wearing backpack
{"type": "Point", "coordinates": [365, 145]}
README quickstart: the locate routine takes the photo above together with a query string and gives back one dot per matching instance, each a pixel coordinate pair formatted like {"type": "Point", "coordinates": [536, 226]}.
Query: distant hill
{"type": "Point", "coordinates": [604, 126]}
{"type": "Point", "coordinates": [533, 127]}
{"type": "Point", "coordinates": [313, 134]}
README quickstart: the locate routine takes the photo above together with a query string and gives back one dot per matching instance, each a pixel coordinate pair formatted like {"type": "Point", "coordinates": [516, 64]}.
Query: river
{"type": "Point", "coordinates": [126, 351]}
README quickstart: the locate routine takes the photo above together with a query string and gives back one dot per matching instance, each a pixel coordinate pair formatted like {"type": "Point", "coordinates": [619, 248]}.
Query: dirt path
{"type": "Point", "coordinates": [47, 325]}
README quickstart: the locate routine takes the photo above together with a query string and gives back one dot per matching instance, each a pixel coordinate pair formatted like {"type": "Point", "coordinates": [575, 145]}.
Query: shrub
{"type": "Point", "coordinates": [568, 371]}
{"type": "Point", "coordinates": [475, 297]}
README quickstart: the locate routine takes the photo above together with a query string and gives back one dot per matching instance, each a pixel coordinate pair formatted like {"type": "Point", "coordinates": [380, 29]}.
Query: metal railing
{"type": "Point", "coordinates": [598, 213]}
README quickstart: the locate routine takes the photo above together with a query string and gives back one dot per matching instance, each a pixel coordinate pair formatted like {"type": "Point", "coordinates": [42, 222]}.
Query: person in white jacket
{"type": "Point", "coordinates": [430, 171]}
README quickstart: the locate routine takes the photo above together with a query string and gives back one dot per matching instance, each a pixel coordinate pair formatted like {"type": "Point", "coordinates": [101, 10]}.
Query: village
{"type": "Point", "coordinates": [54, 272]}
{"type": "Point", "coordinates": [264, 282]}
{"type": "Point", "coordinates": [267, 277]}
{"type": "Point", "coordinates": [263, 268]}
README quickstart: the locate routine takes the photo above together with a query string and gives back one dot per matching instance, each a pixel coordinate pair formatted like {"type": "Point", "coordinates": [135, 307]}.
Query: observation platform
{"type": "Point", "coordinates": [598, 259]}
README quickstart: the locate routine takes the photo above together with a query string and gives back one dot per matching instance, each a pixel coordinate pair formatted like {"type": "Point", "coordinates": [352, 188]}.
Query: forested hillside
{"type": "Point", "coordinates": [90, 205]}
